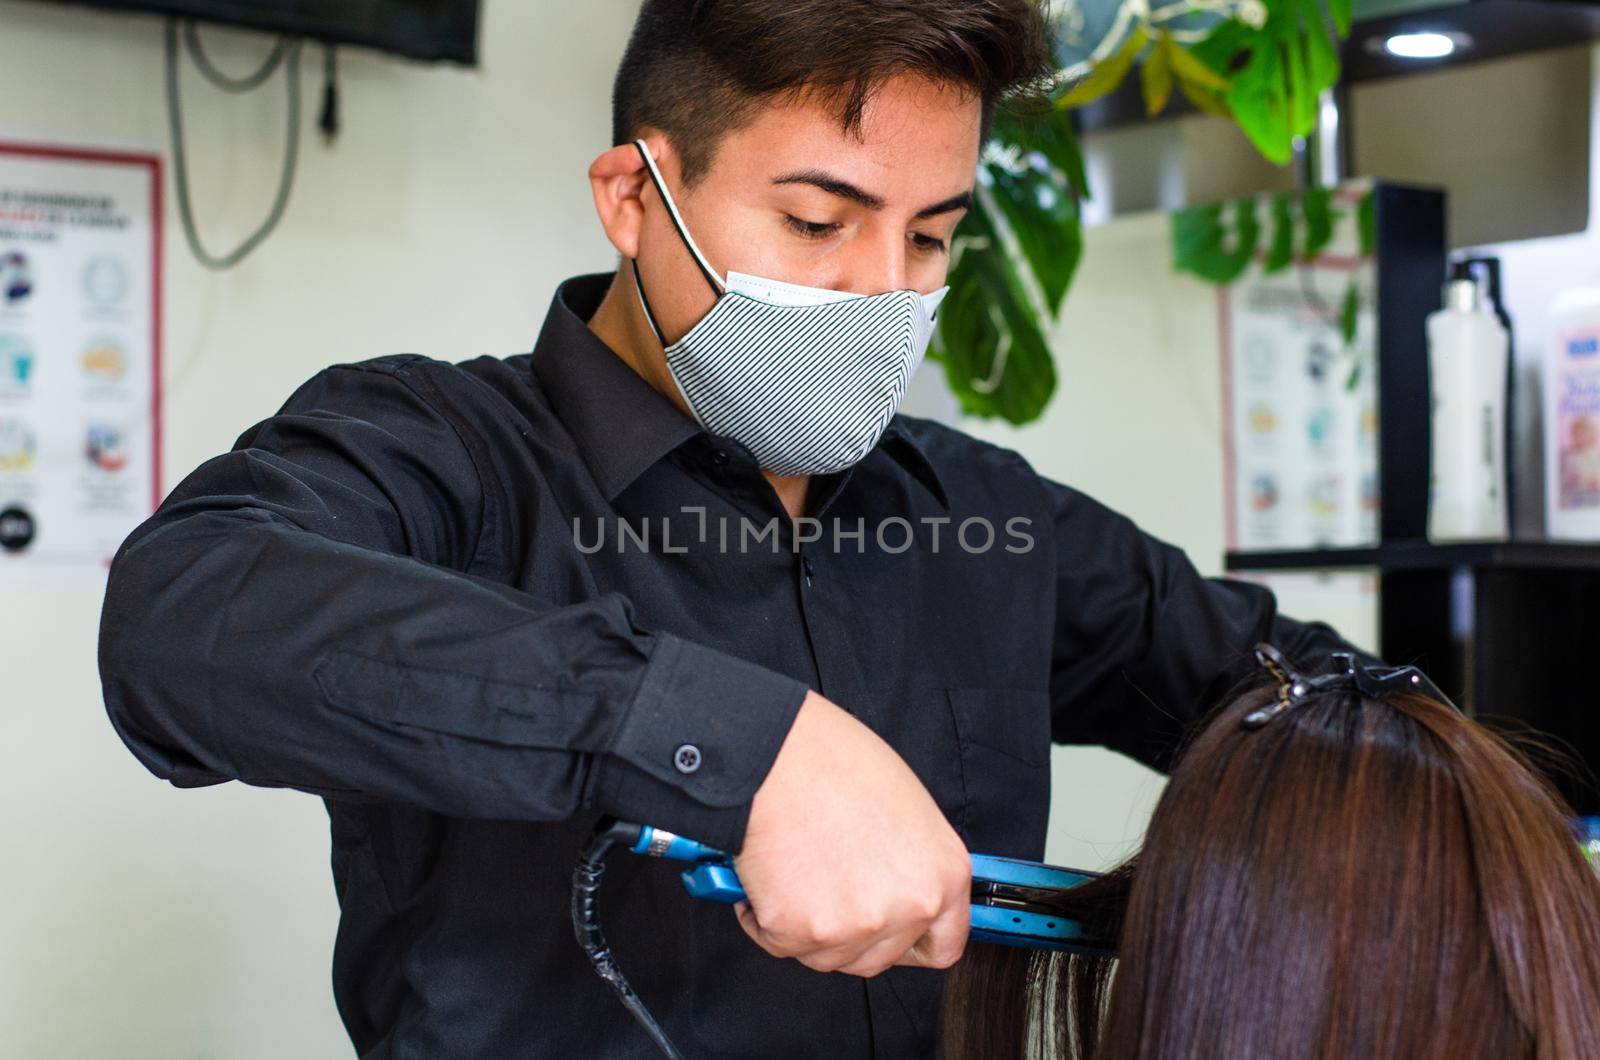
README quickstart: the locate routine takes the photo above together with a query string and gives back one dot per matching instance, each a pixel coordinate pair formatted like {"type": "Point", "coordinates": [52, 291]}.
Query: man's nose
{"type": "Point", "coordinates": [879, 265]}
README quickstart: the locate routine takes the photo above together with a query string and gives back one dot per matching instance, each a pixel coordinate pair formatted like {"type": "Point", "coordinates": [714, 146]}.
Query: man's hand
{"type": "Point", "coordinates": [848, 863]}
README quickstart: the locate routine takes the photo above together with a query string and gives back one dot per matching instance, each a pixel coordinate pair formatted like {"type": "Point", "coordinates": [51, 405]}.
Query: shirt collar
{"type": "Point", "coordinates": [620, 423]}
{"type": "Point", "coordinates": [898, 442]}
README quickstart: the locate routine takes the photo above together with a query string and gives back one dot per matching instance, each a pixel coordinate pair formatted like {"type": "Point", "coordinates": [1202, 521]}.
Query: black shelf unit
{"type": "Point", "coordinates": [1504, 628]}
{"type": "Point", "coordinates": [1425, 555]}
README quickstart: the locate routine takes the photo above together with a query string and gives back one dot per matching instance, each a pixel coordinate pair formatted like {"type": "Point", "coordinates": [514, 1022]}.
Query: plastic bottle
{"type": "Point", "coordinates": [1572, 417]}
{"type": "Point", "coordinates": [1468, 358]}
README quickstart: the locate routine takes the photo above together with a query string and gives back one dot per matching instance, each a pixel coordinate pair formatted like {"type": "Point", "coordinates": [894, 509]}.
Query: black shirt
{"type": "Point", "coordinates": [475, 606]}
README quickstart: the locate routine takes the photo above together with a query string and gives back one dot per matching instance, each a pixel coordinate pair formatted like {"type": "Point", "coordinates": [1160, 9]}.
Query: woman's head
{"type": "Point", "coordinates": [1357, 877]}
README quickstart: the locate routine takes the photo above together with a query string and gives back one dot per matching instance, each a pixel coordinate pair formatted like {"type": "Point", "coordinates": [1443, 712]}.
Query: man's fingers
{"type": "Point", "coordinates": [880, 957]}
{"type": "Point", "coordinates": [759, 935]}
{"type": "Point", "coordinates": [944, 942]}
{"type": "Point", "coordinates": [939, 947]}
{"type": "Point", "coordinates": [747, 921]}
{"type": "Point", "coordinates": [860, 959]}
{"type": "Point", "coordinates": [832, 959]}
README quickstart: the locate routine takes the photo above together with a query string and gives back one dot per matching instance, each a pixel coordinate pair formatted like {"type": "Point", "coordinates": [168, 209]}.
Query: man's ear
{"type": "Point", "coordinates": [618, 179]}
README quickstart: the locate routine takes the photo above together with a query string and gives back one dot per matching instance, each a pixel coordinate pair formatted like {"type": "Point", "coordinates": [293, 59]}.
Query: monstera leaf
{"type": "Point", "coordinates": [1012, 261]}
{"type": "Point", "coordinates": [1316, 207]}
{"type": "Point", "coordinates": [1206, 244]}
{"type": "Point", "coordinates": [1276, 72]}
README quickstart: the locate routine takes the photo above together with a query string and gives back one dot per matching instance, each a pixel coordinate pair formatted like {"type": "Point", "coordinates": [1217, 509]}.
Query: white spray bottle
{"type": "Point", "coordinates": [1468, 356]}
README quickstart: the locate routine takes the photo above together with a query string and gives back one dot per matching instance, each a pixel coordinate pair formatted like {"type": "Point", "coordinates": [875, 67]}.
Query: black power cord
{"type": "Point", "coordinates": [286, 52]}
{"type": "Point", "coordinates": [586, 878]}
{"type": "Point", "coordinates": [329, 120]}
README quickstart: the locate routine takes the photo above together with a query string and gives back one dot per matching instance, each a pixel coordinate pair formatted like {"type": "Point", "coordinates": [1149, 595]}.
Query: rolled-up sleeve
{"type": "Point", "coordinates": [301, 612]}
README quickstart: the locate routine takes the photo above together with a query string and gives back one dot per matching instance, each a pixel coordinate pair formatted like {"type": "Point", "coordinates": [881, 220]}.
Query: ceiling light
{"type": "Point", "coordinates": [1422, 45]}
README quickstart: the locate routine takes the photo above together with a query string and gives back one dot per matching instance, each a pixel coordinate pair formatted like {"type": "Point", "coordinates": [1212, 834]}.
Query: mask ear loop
{"type": "Point", "coordinates": [718, 288]}
{"type": "Point", "coordinates": [649, 314]}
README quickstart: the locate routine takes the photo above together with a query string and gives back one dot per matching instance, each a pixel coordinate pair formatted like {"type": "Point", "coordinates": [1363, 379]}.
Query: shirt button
{"type": "Point", "coordinates": [687, 758]}
{"type": "Point", "coordinates": [720, 457]}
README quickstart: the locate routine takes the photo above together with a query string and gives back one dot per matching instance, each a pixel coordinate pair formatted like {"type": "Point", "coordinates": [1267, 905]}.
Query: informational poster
{"type": "Point", "coordinates": [1300, 392]}
{"type": "Point", "coordinates": [80, 352]}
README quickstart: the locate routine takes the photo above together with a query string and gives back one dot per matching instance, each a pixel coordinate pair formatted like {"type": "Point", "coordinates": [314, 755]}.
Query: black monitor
{"type": "Point", "coordinates": [417, 29]}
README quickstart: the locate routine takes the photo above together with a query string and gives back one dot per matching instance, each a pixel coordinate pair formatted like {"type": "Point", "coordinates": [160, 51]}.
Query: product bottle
{"type": "Point", "coordinates": [1572, 417]}
{"type": "Point", "coordinates": [1468, 357]}
{"type": "Point", "coordinates": [1486, 271]}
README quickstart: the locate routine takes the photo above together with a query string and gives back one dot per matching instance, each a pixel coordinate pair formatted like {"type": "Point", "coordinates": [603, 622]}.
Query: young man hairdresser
{"type": "Point", "coordinates": [682, 564]}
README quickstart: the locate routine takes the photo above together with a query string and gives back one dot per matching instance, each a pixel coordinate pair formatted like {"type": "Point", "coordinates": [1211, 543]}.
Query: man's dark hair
{"type": "Point", "coordinates": [695, 69]}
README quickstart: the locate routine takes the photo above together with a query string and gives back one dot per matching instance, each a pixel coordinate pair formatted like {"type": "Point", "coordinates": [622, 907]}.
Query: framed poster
{"type": "Point", "coordinates": [1300, 395]}
{"type": "Point", "coordinates": [80, 351]}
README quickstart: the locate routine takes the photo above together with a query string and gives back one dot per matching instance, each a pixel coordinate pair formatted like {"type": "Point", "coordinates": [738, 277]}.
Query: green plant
{"type": "Point", "coordinates": [1012, 261]}
{"type": "Point", "coordinates": [1218, 241]}
{"type": "Point", "coordinates": [1262, 62]}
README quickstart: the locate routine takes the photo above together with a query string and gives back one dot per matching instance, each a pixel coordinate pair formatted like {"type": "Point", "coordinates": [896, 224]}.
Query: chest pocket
{"type": "Point", "coordinates": [1004, 735]}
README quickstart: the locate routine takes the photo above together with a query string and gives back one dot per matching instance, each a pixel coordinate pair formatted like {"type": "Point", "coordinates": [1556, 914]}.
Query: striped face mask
{"type": "Point", "coordinates": [806, 378]}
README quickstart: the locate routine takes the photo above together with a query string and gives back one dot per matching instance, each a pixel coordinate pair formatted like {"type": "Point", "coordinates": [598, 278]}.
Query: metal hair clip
{"type": "Point", "coordinates": [1349, 673]}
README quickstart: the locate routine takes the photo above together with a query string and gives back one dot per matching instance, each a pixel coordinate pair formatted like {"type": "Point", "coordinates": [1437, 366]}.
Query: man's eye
{"type": "Point", "coordinates": [928, 243]}
{"type": "Point", "coordinates": [810, 229]}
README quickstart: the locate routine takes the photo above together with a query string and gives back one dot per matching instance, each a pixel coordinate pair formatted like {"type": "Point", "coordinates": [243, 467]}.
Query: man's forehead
{"type": "Point", "coordinates": [912, 137]}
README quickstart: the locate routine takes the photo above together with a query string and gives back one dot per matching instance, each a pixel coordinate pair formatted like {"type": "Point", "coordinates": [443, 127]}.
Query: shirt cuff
{"type": "Point", "coordinates": [697, 741]}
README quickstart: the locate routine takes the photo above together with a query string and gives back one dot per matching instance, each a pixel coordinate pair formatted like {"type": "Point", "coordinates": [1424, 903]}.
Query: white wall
{"type": "Point", "coordinates": [1508, 137]}
{"type": "Point", "coordinates": [139, 920]}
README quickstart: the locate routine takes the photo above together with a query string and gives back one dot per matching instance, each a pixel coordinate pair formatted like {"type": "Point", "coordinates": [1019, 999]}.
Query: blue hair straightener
{"type": "Point", "coordinates": [1006, 892]}
{"type": "Point", "coordinates": [1006, 906]}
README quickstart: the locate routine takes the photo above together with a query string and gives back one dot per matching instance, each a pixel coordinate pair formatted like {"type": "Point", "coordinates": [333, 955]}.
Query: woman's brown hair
{"type": "Point", "coordinates": [1375, 878]}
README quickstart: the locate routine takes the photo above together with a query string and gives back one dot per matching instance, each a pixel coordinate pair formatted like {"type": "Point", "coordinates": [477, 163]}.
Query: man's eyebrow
{"type": "Point", "coordinates": [833, 186]}
{"type": "Point", "coordinates": [954, 202]}
{"type": "Point", "coordinates": [846, 190]}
